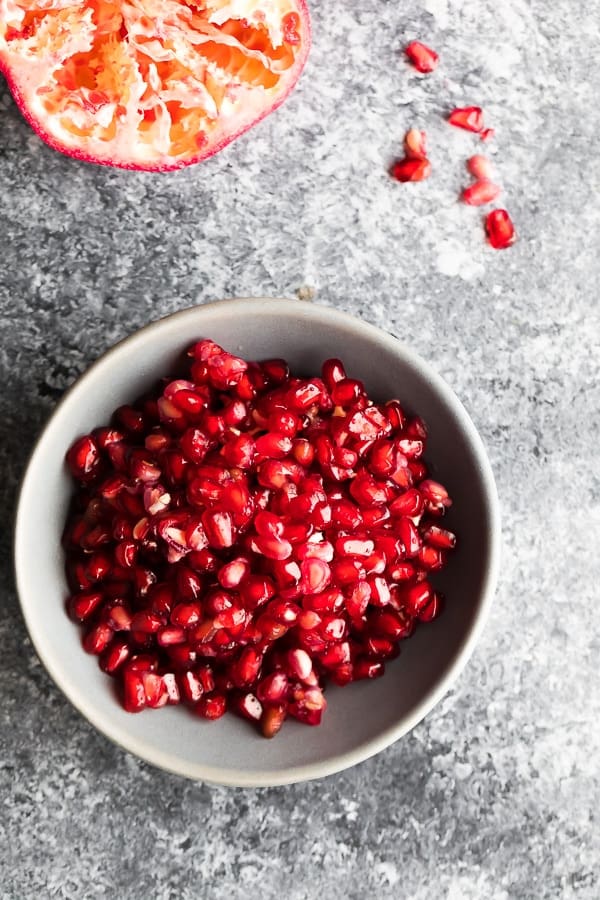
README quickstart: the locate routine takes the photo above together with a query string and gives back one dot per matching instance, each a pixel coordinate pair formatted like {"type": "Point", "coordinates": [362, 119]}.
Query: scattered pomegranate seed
{"type": "Point", "coordinates": [487, 134]}
{"type": "Point", "coordinates": [247, 537]}
{"type": "Point", "coordinates": [423, 58]}
{"type": "Point", "coordinates": [480, 193]}
{"type": "Point", "coordinates": [500, 229]}
{"type": "Point", "coordinates": [469, 117]}
{"type": "Point", "coordinates": [480, 167]}
{"type": "Point", "coordinates": [411, 170]}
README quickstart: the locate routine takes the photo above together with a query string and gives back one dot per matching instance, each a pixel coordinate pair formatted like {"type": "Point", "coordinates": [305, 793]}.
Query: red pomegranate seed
{"type": "Point", "coordinates": [271, 547]}
{"type": "Point", "coordinates": [316, 575]}
{"type": "Point", "coordinates": [335, 655]}
{"type": "Point", "coordinates": [418, 471]}
{"type": "Point", "coordinates": [113, 658]}
{"type": "Point", "coordinates": [273, 445]}
{"type": "Point", "coordinates": [104, 437]}
{"type": "Point", "coordinates": [403, 571]}
{"type": "Point", "coordinates": [185, 615]}
{"type": "Point", "coordinates": [380, 647]}
{"type": "Point", "coordinates": [431, 558]}
{"type": "Point", "coordinates": [500, 229]}
{"type": "Point", "coordinates": [169, 636]}
{"type": "Point", "coordinates": [380, 591]}
{"type": "Point", "coordinates": [233, 573]}
{"type": "Point", "coordinates": [332, 372]}
{"type": "Point", "coordinates": [409, 536]}
{"type": "Point", "coordinates": [146, 622]}
{"type": "Point", "coordinates": [347, 391]}
{"type": "Point", "coordinates": [82, 606]}
{"type": "Point", "coordinates": [299, 664]}
{"type": "Point", "coordinates": [415, 144]}
{"type": "Point", "coordinates": [330, 600]}
{"type": "Point", "coordinates": [487, 134]}
{"type": "Point", "coordinates": [211, 706]}
{"type": "Point", "coordinates": [395, 414]}
{"type": "Point", "coordinates": [97, 639]}
{"type": "Point", "coordinates": [304, 395]}
{"type": "Point", "coordinates": [84, 459]}
{"type": "Point", "coordinates": [218, 527]}
{"type": "Point", "coordinates": [368, 668]}
{"type": "Point", "coordinates": [276, 371]}
{"type": "Point", "coordinates": [417, 597]}
{"type": "Point", "coordinates": [480, 167]}
{"type": "Point", "coordinates": [248, 666]}
{"type": "Point", "coordinates": [423, 58]}
{"type": "Point", "coordinates": [134, 695]}
{"type": "Point", "coordinates": [190, 685]}
{"type": "Point", "coordinates": [272, 688]}
{"type": "Point", "coordinates": [346, 515]}
{"type": "Point", "coordinates": [440, 537]}
{"type": "Point", "coordinates": [155, 690]}
{"type": "Point", "coordinates": [195, 444]}
{"type": "Point", "coordinates": [230, 618]}
{"type": "Point", "coordinates": [469, 117]}
{"type": "Point", "coordinates": [480, 193]}
{"type": "Point", "coordinates": [256, 590]}
{"type": "Point", "coordinates": [389, 624]}
{"type": "Point", "coordinates": [119, 618]}
{"type": "Point", "coordinates": [431, 610]}
{"type": "Point", "coordinates": [333, 628]}
{"type": "Point", "coordinates": [434, 493]}
{"type": "Point", "coordinates": [410, 169]}
{"type": "Point", "coordinates": [240, 451]}
{"type": "Point", "coordinates": [187, 400]}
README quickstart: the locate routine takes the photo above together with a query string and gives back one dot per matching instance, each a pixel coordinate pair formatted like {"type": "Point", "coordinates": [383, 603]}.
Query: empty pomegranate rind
{"type": "Point", "coordinates": [144, 87]}
{"type": "Point", "coordinates": [214, 561]}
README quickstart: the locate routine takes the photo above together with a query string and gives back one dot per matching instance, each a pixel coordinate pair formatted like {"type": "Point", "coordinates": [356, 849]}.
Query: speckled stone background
{"type": "Point", "coordinates": [496, 795]}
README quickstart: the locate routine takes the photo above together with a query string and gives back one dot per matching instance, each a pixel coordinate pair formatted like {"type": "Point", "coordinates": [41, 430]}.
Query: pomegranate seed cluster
{"type": "Point", "coordinates": [415, 166]}
{"type": "Point", "coordinates": [241, 538]}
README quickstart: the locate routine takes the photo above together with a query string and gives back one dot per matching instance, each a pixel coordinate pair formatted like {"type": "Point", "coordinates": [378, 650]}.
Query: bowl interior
{"type": "Point", "coordinates": [361, 718]}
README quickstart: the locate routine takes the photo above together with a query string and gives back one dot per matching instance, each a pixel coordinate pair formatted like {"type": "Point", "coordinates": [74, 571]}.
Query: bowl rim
{"type": "Point", "coordinates": [368, 748]}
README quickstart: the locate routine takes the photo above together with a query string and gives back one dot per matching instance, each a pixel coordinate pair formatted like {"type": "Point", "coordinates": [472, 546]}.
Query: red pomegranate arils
{"type": "Point", "coordinates": [480, 193]}
{"type": "Point", "coordinates": [487, 134]}
{"type": "Point", "coordinates": [469, 117]}
{"type": "Point", "coordinates": [211, 706]}
{"type": "Point", "coordinates": [411, 170]}
{"type": "Point", "coordinates": [251, 536]}
{"type": "Point", "coordinates": [423, 58]}
{"type": "Point", "coordinates": [500, 229]}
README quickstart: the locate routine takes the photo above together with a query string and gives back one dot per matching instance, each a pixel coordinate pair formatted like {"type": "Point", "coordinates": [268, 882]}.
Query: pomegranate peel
{"type": "Point", "coordinates": [150, 87]}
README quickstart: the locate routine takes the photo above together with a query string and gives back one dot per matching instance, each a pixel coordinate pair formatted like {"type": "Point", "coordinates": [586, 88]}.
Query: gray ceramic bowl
{"type": "Point", "coordinates": [361, 719]}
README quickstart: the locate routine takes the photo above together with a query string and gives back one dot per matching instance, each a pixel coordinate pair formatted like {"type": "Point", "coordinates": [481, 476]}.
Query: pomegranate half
{"type": "Point", "coordinates": [150, 84]}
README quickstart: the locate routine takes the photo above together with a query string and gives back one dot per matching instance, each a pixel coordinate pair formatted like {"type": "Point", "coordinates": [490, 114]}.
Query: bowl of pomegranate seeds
{"type": "Point", "coordinates": [257, 542]}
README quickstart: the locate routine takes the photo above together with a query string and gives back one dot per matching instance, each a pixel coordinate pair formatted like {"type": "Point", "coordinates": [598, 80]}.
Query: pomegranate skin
{"type": "Point", "coordinates": [17, 86]}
